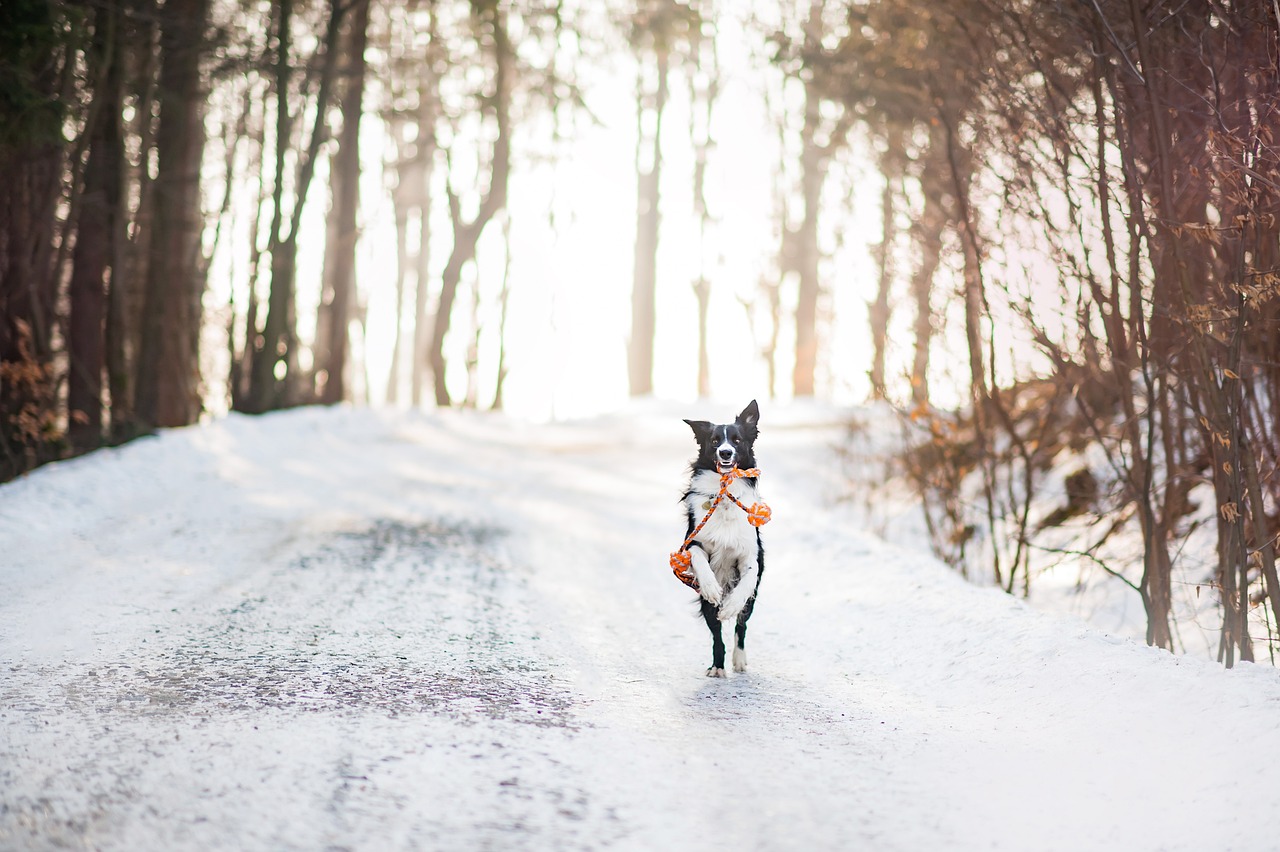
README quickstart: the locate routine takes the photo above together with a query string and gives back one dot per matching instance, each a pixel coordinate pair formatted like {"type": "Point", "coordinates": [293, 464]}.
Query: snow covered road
{"type": "Point", "coordinates": [361, 630]}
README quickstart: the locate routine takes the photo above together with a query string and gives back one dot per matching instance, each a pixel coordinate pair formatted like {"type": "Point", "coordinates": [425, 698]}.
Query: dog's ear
{"type": "Point", "coordinates": [749, 419]}
{"type": "Point", "coordinates": [701, 429]}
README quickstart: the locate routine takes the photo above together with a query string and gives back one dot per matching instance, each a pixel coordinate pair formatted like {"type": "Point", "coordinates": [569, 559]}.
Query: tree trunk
{"type": "Point", "coordinates": [1156, 589]}
{"type": "Point", "coordinates": [472, 398]}
{"type": "Point", "coordinates": [464, 249]}
{"type": "Point", "coordinates": [95, 240]}
{"type": "Point", "coordinates": [242, 362]}
{"type": "Point", "coordinates": [504, 301]}
{"type": "Point", "coordinates": [31, 163]}
{"type": "Point", "coordinates": [422, 324]}
{"type": "Point", "coordinates": [645, 271]}
{"type": "Point", "coordinates": [879, 311]}
{"type": "Point", "coordinates": [702, 292]}
{"type": "Point", "coordinates": [346, 199]}
{"type": "Point", "coordinates": [264, 351]}
{"type": "Point", "coordinates": [467, 234]}
{"type": "Point", "coordinates": [168, 365]}
{"type": "Point", "coordinates": [323, 338]}
{"type": "Point", "coordinates": [421, 193]}
{"type": "Point", "coordinates": [273, 377]}
{"type": "Point", "coordinates": [127, 294]}
{"type": "Point", "coordinates": [805, 246]}
{"type": "Point", "coordinates": [928, 238]}
{"type": "Point", "coordinates": [805, 243]}
{"type": "Point", "coordinates": [402, 267]}
{"type": "Point", "coordinates": [703, 97]}
{"type": "Point", "coordinates": [959, 163]}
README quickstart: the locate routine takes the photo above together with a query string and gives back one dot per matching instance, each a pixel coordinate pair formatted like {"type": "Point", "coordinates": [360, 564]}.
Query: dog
{"type": "Point", "coordinates": [727, 556]}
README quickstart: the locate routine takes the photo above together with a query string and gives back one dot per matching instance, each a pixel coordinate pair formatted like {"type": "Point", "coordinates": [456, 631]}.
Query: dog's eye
{"type": "Point", "coordinates": [737, 440]}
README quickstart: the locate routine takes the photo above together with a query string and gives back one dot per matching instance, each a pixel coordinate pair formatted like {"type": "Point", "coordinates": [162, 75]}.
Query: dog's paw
{"type": "Point", "coordinates": [737, 598]}
{"type": "Point", "coordinates": [715, 672]}
{"type": "Point", "coordinates": [739, 659]}
{"type": "Point", "coordinates": [708, 585]}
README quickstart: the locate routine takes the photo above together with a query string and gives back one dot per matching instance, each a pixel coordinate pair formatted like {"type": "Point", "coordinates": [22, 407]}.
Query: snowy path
{"type": "Point", "coordinates": [353, 630]}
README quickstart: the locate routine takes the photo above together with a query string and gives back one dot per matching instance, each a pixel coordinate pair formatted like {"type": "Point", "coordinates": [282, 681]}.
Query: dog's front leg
{"type": "Point", "coordinates": [708, 585]}
{"type": "Point", "coordinates": [741, 593]}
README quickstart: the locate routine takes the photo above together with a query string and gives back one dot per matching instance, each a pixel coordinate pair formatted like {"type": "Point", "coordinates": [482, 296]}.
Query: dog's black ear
{"type": "Point", "coordinates": [701, 429]}
{"type": "Point", "coordinates": [749, 419]}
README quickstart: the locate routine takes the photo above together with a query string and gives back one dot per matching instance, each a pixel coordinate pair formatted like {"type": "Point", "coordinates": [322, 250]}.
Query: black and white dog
{"type": "Point", "coordinates": [727, 556]}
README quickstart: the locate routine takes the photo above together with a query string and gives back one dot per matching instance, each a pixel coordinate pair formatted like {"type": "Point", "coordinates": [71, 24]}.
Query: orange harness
{"type": "Point", "coordinates": [758, 515]}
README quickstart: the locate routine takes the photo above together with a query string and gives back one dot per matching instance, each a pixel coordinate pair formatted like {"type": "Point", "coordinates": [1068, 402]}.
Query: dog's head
{"type": "Point", "coordinates": [723, 446]}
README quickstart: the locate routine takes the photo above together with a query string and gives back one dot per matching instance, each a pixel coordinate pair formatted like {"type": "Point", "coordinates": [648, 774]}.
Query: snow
{"type": "Point", "coordinates": [368, 630]}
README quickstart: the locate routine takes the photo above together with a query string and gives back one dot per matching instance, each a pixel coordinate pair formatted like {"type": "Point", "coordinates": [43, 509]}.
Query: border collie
{"type": "Point", "coordinates": [727, 557]}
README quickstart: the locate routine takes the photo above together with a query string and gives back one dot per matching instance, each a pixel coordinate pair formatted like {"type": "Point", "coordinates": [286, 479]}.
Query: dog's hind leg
{"type": "Point", "coordinates": [742, 594]}
{"type": "Point", "coordinates": [740, 637]}
{"type": "Point", "coordinates": [740, 629]}
{"type": "Point", "coordinates": [717, 641]}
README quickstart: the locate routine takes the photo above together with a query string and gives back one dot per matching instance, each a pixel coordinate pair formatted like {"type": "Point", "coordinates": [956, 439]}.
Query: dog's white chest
{"type": "Point", "coordinates": [728, 528]}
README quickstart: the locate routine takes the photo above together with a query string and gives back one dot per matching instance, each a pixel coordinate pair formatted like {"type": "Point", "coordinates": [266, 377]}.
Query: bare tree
{"type": "Point", "coordinates": [704, 88]}
{"type": "Point", "coordinates": [340, 258]}
{"type": "Point", "coordinates": [168, 368]}
{"type": "Point", "coordinates": [274, 373]}
{"type": "Point", "coordinates": [95, 261]}
{"type": "Point", "coordinates": [491, 21]}
{"type": "Point", "coordinates": [880, 310]}
{"type": "Point", "coordinates": [658, 31]}
{"type": "Point", "coordinates": [817, 71]}
{"type": "Point", "coordinates": [31, 158]}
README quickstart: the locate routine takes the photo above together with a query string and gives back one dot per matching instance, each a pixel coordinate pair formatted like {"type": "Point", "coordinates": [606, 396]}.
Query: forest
{"type": "Point", "coordinates": [1065, 214]}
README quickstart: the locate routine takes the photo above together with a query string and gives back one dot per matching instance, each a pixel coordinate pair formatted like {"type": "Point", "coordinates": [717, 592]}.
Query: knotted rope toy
{"type": "Point", "coordinates": [758, 514]}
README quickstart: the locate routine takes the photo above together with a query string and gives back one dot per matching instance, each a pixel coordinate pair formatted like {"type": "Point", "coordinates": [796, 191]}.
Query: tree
{"type": "Point", "coordinates": [1132, 145]}
{"type": "Point", "coordinates": [340, 259]}
{"type": "Point", "coordinates": [892, 167]}
{"type": "Point", "coordinates": [491, 23]}
{"type": "Point", "coordinates": [168, 365]}
{"type": "Point", "coordinates": [96, 261]}
{"type": "Point", "coordinates": [657, 29]}
{"type": "Point", "coordinates": [35, 63]}
{"type": "Point", "coordinates": [704, 88]}
{"type": "Point", "coordinates": [818, 73]}
{"type": "Point", "coordinates": [274, 372]}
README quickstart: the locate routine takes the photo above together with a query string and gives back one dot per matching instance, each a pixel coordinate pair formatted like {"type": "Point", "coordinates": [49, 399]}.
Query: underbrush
{"type": "Point", "coordinates": [1036, 496]}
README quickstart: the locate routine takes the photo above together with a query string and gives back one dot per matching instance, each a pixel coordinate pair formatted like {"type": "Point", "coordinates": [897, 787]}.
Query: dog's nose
{"type": "Point", "coordinates": [726, 454]}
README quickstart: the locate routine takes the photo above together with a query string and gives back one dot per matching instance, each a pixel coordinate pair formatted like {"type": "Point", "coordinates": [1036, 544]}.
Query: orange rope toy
{"type": "Point", "coordinates": [758, 514]}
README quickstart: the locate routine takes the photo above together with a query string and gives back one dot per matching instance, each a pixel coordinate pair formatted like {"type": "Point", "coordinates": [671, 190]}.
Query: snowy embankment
{"type": "Point", "coordinates": [367, 630]}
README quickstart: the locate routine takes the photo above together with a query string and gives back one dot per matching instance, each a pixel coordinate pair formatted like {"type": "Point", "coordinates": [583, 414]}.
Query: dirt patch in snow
{"type": "Point", "coordinates": [395, 619]}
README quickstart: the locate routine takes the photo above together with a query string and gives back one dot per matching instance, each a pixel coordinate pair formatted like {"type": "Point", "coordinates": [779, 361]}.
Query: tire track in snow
{"type": "Point", "coordinates": [387, 680]}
